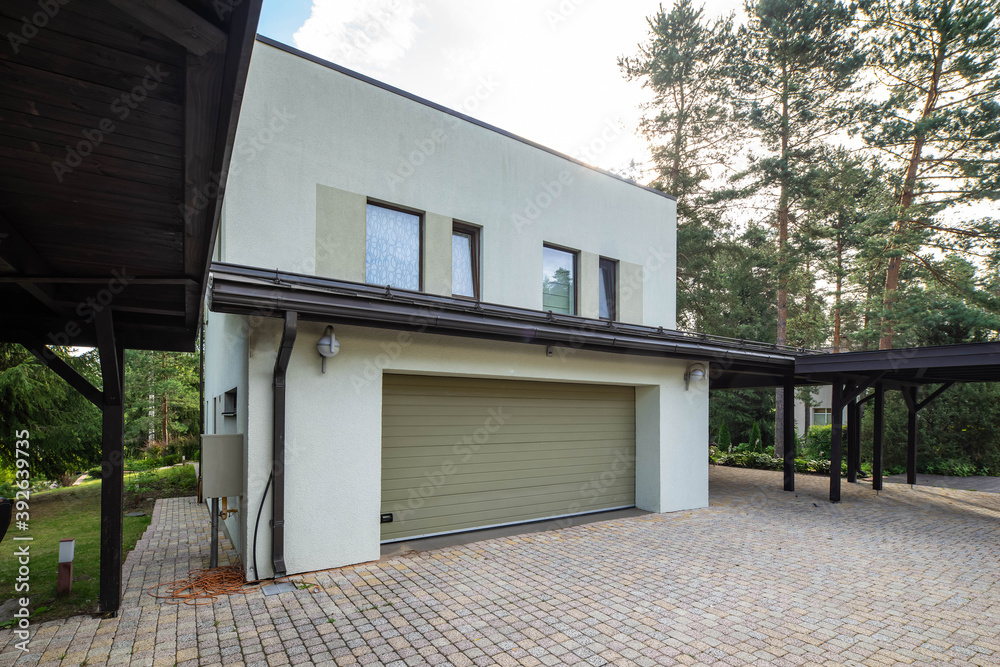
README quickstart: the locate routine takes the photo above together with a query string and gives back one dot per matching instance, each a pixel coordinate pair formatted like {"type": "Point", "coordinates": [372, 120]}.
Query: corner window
{"type": "Point", "coordinates": [558, 280]}
{"type": "Point", "coordinates": [393, 247]}
{"type": "Point", "coordinates": [608, 289]}
{"type": "Point", "coordinates": [822, 416]}
{"type": "Point", "coordinates": [465, 261]}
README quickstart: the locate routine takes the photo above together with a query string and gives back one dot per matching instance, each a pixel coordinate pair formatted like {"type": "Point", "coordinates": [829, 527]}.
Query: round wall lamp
{"type": "Point", "coordinates": [696, 372]}
{"type": "Point", "coordinates": [328, 346]}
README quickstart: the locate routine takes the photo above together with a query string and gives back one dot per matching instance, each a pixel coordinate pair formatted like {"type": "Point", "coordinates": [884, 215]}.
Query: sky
{"type": "Point", "coordinates": [545, 70]}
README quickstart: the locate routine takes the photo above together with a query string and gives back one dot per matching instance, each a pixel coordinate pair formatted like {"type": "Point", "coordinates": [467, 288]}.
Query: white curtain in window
{"type": "Point", "coordinates": [462, 283]}
{"type": "Point", "coordinates": [392, 249]}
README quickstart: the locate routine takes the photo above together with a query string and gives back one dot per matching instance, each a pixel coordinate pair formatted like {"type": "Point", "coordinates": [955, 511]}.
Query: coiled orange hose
{"type": "Point", "coordinates": [204, 586]}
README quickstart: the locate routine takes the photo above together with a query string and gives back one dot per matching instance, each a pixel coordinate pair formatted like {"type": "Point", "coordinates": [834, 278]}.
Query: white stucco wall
{"type": "Point", "coordinates": [823, 398]}
{"type": "Point", "coordinates": [333, 437]}
{"type": "Point", "coordinates": [306, 129]}
{"type": "Point", "coordinates": [313, 146]}
{"type": "Point", "coordinates": [226, 367]}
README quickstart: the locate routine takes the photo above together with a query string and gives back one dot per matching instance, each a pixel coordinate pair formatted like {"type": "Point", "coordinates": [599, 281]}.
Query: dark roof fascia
{"type": "Point", "coordinates": [947, 359]}
{"type": "Point", "coordinates": [269, 293]}
{"type": "Point", "coordinates": [451, 112]}
{"type": "Point", "coordinates": [242, 30]}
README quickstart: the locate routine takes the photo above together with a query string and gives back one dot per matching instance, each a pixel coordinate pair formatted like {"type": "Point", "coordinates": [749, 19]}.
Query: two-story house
{"type": "Point", "coordinates": [501, 314]}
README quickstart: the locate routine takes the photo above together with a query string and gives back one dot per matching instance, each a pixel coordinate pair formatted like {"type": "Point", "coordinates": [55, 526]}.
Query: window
{"type": "Point", "coordinates": [465, 261]}
{"type": "Point", "coordinates": [608, 289]}
{"type": "Point", "coordinates": [393, 247]}
{"type": "Point", "coordinates": [822, 416]}
{"type": "Point", "coordinates": [558, 280]}
{"type": "Point", "coordinates": [229, 403]}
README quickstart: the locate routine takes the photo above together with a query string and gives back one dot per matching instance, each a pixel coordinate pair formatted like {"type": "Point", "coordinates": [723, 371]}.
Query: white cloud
{"type": "Point", "coordinates": [510, 63]}
{"type": "Point", "coordinates": [361, 33]}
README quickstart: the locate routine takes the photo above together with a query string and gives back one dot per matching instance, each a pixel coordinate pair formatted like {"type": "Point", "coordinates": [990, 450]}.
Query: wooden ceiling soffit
{"type": "Point", "coordinates": [205, 69]}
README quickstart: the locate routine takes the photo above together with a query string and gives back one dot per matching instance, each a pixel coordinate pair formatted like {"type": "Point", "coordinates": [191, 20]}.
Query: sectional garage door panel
{"type": "Point", "coordinates": [462, 453]}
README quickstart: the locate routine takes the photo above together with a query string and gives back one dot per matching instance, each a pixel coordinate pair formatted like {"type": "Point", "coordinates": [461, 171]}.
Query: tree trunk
{"type": "Point", "coordinates": [782, 333]}
{"type": "Point", "coordinates": [675, 166]}
{"type": "Point", "coordinates": [840, 285]}
{"type": "Point", "coordinates": [906, 200]}
{"type": "Point", "coordinates": [166, 436]}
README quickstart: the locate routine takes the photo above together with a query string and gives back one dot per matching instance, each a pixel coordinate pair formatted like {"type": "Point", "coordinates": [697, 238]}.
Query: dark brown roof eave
{"type": "Point", "coordinates": [269, 293]}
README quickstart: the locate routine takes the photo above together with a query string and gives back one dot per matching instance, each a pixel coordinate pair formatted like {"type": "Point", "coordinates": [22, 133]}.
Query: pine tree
{"type": "Point", "coordinates": [690, 129]}
{"type": "Point", "coordinates": [939, 126]}
{"type": "Point", "coordinates": [797, 83]}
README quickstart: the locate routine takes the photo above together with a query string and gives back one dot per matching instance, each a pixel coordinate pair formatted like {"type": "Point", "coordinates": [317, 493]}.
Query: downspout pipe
{"type": "Point", "coordinates": [278, 460]}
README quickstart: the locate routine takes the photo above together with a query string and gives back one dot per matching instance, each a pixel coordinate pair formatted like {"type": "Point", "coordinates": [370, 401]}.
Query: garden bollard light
{"type": "Point", "coordinates": [64, 580]}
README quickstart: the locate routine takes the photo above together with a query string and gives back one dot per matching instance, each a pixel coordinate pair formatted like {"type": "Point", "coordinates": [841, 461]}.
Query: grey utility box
{"type": "Point", "coordinates": [222, 465]}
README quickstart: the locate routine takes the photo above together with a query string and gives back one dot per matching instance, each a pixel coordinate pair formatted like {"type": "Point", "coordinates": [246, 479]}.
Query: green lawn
{"type": "Point", "coordinates": [75, 512]}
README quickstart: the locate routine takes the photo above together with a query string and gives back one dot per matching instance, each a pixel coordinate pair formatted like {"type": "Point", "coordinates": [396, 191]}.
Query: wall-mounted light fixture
{"type": "Point", "coordinates": [696, 372]}
{"type": "Point", "coordinates": [328, 346]}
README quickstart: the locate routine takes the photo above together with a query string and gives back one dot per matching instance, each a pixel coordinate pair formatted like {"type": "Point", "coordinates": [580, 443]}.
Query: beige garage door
{"type": "Point", "coordinates": [462, 453]}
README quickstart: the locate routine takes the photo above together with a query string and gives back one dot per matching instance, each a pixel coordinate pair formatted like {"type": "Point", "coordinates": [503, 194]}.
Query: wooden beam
{"type": "Point", "coordinates": [853, 392]}
{"type": "Point", "coordinates": [937, 392]}
{"type": "Point", "coordinates": [48, 358]}
{"type": "Point", "coordinates": [21, 255]}
{"type": "Point", "coordinates": [202, 187]}
{"type": "Point", "coordinates": [175, 22]}
{"type": "Point", "coordinates": [243, 21]}
{"type": "Point", "coordinates": [112, 464]}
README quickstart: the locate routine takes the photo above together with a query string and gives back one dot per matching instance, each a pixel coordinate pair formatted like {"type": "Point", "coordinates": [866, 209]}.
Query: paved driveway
{"type": "Point", "coordinates": [760, 577]}
{"type": "Point", "coordinates": [974, 483]}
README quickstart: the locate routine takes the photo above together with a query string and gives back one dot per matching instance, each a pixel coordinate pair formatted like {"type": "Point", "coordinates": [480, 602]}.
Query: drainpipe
{"type": "Point", "coordinates": [278, 462]}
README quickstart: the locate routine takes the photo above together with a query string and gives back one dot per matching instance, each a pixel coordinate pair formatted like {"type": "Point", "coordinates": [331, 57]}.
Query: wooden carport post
{"type": "Point", "coordinates": [853, 441]}
{"type": "Point", "coordinates": [836, 435]}
{"type": "Point", "coordinates": [112, 464]}
{"type": "Point", "coordinates": [878, 431]}
{"type": "Point", "coordinates": [789, 434]}
{"type": "Point", "coordinates": [911, 394]}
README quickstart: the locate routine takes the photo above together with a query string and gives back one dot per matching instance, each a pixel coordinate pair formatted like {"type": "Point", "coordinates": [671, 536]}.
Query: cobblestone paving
{"type": "Point", "coordinates": [761, 577]}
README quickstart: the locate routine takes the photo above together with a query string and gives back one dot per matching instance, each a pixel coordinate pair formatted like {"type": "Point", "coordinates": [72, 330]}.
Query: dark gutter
{"type": "Point", "coordinates": [278, 462]}
{"type": "Point", "coordinates": [451, 112]}
{"type": "Point", "coordinates": [258, 292]}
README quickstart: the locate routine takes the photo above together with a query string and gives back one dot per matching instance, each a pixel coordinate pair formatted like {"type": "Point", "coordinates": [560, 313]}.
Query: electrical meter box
{"type": "Point", "coordinates": [222, 465]}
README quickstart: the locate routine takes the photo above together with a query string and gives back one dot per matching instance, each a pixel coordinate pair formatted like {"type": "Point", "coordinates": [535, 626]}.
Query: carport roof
{"type": "Point", "coordinates": [973, 362]}
{"type": "Point", "coordinates": [117, 120]}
